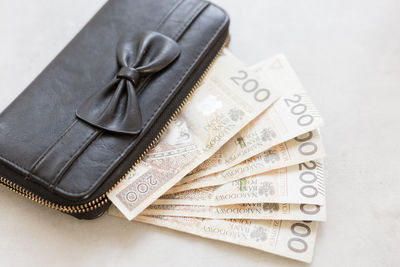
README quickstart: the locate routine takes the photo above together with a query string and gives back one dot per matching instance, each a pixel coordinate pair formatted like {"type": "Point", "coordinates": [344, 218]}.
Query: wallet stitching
{"type": "Point", "coordinates": [162, 21]}
{"type": "Point", "coordinates": [190, 20]}
{"type": "Point", "coordinates": [11, 162]}
{"type": "Point", "coordinates": [159, 107]}
{"type": "Point", "coordinates": [77, 151]}
{"type": "Point", "coordinates": [40, 159]}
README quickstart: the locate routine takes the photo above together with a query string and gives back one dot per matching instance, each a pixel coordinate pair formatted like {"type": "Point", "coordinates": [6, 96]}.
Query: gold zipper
{"type": "Point", "coordinates": [103, 199]}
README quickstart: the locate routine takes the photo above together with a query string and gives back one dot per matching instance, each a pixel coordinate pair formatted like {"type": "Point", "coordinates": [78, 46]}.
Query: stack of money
{"type": "Point", "coordinates": [242, 163]}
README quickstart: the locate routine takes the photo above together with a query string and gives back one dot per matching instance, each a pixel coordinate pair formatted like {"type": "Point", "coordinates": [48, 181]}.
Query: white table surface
{"type": "Point", "coordinates": [347, 54]}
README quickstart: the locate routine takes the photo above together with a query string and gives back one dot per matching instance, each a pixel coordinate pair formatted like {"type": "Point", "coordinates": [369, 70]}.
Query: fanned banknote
{"type": "Point", "coordinates": [291, 115]}
{"type": "Point", "coordinates": [254, 211]}
{"type": "Point", "coordinates": [288, 238]}
{"type": "Point", "coordinates": [291, 239]}
{"type": "Point", "coordinates": [221, 106]}
{"type": "Point", "coordinates": [298, 184]}
{"type": "Point", "coordinates": [300, 149]}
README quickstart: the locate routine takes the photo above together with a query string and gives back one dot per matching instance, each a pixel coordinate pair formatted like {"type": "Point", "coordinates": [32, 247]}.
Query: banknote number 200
{"type": "Point", "coordinates": [308, 177]}
{"type": "Point", "coordinates": [300, 230]}
{"type": "Point", "coordinates": [250, 85]}
{"type": "Point", "coordinates": [298, 109]}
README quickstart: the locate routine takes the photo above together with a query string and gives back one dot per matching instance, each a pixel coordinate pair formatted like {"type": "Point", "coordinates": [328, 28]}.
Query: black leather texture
{"type": "Point", "coordinates": [83, 122]}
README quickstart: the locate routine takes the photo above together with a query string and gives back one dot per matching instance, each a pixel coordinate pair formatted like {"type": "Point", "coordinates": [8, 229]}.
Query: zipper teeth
{"type": "Point", "coordinates": [103, 199]}
{"type": "Point", "coordinates": [94, 204]}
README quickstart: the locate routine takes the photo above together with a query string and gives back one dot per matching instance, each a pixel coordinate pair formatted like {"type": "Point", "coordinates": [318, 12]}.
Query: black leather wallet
{"type": "Point", "coordinates": [105, 99]}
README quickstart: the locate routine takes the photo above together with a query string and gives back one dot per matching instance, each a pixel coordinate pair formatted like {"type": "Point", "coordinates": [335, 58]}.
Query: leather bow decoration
{"type": "Point", "coordinates": [115, 107]}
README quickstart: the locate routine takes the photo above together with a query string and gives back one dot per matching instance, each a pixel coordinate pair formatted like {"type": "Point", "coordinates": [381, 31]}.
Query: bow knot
{"type": "Point", "coordinates": [115, 107]}
{"type": "Point", "coordinates": [129, 73]}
